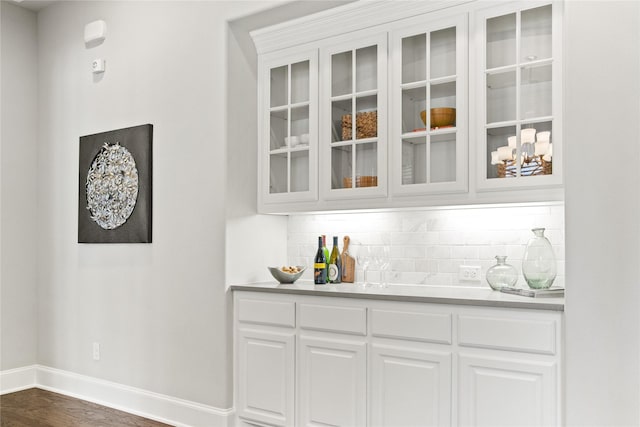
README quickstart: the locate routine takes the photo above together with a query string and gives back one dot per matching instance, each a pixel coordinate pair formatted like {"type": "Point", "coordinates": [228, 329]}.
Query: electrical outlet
{"type": "Point", "coordinates": [96, 351]}
{"type": "Point", "coordinates": [469, 273]}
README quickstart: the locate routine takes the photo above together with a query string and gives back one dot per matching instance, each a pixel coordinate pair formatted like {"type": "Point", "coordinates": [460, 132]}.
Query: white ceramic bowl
{"type": "Point", "coordinates": [283, 277]}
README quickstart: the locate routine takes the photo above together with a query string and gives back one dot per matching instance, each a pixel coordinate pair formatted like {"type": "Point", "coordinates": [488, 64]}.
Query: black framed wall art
{"type": "Point", "coordinates": [114, 191]}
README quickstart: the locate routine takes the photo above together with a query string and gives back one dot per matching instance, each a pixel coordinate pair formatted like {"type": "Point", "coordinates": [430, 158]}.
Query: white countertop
{"type": "Point", "coordinates": [412, 293]}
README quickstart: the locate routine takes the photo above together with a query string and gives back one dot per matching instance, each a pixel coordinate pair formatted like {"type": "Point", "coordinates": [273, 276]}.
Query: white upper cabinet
{"type": "Point", "coordinates": [411, 104]}
{"type": "Point", "coordinates": [429, 119]}
{"type": "Point", "coordinates": [288, 158]}
{"type": "Point", "coordinates": [353, 129]}
{"type": "Point", "coordinates": [519, 87]}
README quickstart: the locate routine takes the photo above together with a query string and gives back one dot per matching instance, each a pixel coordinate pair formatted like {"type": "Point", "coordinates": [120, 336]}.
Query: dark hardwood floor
{"type": "Point", "coordinates": [39, 408]}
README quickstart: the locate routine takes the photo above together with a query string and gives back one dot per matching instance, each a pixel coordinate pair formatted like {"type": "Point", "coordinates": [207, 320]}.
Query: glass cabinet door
{"type": "Point", "coordinates": [353, 135]}
{"type": "Point", "coordinates": [289, 133]}
{"type": "Point", "coordinates": [429, 118]}
{"type": "Point", "coordinates": [520, 84]}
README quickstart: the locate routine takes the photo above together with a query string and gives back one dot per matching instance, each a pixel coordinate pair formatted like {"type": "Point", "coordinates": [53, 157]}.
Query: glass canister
{"type": "Point", "coordinates": [502, 274]}
{"type": "Point", "coordinates": [539, 262]}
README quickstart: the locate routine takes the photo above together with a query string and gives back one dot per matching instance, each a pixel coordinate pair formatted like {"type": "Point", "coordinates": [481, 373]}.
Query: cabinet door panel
{"type": "Point", "coordinates": [332, 382]}
{"type": "Point", "coordinates": [288, 152]}
{"type": "Point", "coordinates": [266, 376]}
{"type": "Point", "coordinates": [518, 80]}
{"type": "Point", "coordinates": [410, 387]}
{"type": "Point", "coordinates": [353, 106]}
{"type": "Point", "coordinates": [429, 123]}
{"type": "Point", "coordinates": [506, 392]}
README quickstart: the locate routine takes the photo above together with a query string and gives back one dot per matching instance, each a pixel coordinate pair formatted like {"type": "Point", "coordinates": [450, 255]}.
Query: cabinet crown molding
{"type": "Point", "coordinates": [340, 20]}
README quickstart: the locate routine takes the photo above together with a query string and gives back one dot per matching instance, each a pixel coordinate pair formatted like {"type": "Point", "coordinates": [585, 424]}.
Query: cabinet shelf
{"type": "Point", "coordinates": [279, 151]}
{"type": "Point", "coordinates": [349, 96]}
{"type": "Point", "coordinates": [445, 79]}
{"type": "Point", "coordinates": [513, 67]}
{"type": "Point", "coordinates": [283, 108]}
{"type": "Point", "coordinates": [285, 150]}
{"type": "Point", "coordinates": [362, 141]}
{"type": "Point", "coordinates": [495, 125]}
{"type": "Point", "coordinates": [536, 63]}
{"type": "Point", "coordinates": [439, 131]}
{"type": "Point", "coordinates": [350, 142]}
{"type": "Point", "coordinates": [423, 83]}
{"type": "Point", "coordinates": [279, 109]}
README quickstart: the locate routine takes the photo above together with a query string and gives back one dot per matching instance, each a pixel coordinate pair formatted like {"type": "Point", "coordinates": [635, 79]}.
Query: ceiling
{"type": "Point", "coordinates": [34, 5]}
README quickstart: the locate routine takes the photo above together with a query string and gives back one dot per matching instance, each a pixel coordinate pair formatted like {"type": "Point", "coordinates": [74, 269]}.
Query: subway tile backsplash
{"type": "Point", "coordinates": [427, 247]}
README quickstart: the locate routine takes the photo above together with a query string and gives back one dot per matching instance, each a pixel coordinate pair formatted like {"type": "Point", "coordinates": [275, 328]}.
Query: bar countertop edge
{"type": "Point", "coordinates": [457, 295]}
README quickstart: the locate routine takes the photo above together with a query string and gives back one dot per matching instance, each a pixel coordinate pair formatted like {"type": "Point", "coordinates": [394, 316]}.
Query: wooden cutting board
{"type": "Point", "coordinates": [348, 263]}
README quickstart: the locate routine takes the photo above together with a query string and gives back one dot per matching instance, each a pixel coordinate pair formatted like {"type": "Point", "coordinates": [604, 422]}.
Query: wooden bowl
{"type": "Point", "coordinates": [440, 117]}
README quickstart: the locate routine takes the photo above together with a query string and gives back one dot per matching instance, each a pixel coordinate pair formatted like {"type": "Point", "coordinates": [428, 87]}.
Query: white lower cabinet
{"type": "Point", "coordinates": [507, 391]}
{"type": "Point", "coordinates": [410, 387]}
{"type": "Point", "coordinates": [266, 376]}
{"type": "Point", "coordinates": [332, 382]}
{"type": "Point", "coordinates": [309, 360]}
{"type": "Point", "coordinates": [508, 368]}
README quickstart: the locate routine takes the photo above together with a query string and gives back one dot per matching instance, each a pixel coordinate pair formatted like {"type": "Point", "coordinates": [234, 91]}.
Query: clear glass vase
{"type": "Point", "coordinates": [502, 274]}
{"type": "Point", "coordinates": [539, 262]}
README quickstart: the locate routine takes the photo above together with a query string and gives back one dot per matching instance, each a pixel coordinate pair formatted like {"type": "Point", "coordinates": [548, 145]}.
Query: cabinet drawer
{"type": "Point", "coordinates": [279, 313]}
{"type": "Point", "coordinates": [427, 327]}
{"type": "Point", "coordinates": [530, 335]}
{"type": "Point", "coordinates": [350, 320]}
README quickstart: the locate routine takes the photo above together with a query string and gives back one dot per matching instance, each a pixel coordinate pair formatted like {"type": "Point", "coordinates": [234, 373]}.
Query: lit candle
{"type": "Point", "coordinates": [527, 135]}
{"type": "Point", "coordinates": [505, 153]}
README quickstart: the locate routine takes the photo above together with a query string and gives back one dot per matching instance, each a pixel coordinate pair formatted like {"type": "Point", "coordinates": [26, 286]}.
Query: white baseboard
{"type": "Point", "coordinates": [17, 379]}
{"type": "Point", "coordinates": [155, 406]}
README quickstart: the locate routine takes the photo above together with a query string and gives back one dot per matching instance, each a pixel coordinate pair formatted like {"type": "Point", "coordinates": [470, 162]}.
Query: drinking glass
{"type": "Point", "coordinates": [363, 256]}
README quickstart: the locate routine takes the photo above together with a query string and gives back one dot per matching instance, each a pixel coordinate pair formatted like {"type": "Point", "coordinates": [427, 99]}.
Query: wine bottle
{"type": "Point", "coordinates": [320, 265]}
{"type": "Point", "coordinates": [326, 256]}
{"type": "Point", "coordinates": [335, 263]}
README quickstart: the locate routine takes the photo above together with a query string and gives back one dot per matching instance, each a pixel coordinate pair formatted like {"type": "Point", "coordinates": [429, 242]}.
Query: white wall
{"type": "Point", "coordinates": [159, 311]}
{"type": "Point", "coordinates": [602, 111]}
{"type": "Point", "coordinates": [19, 208]}
{"type": "Point", "coordinates": [427, 247]}
{"type": "Point", "coordinates": [252, 241]}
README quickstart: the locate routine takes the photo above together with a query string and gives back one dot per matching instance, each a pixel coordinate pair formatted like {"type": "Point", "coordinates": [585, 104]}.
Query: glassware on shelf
{"type": "Point", "coordinates": [502, 274]}
{"type": "Point", "coordinates": [539, 262]}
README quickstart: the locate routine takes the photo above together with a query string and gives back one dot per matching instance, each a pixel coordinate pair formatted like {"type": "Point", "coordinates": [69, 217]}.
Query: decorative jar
{"type": "Point", "coordinates": [502, 274]}
{"type": "Point", "coordinates": [539, 262]}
